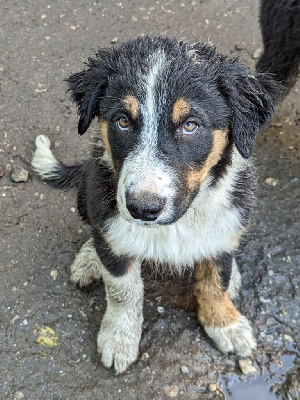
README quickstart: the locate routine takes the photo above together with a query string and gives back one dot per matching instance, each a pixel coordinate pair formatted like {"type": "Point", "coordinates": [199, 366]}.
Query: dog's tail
{"type": "Point", "coordinates": [50, 170]}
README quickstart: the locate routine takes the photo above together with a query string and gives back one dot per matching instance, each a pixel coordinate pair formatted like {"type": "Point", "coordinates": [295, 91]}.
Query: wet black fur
{"type": "Point", "coordinates": [280, 27]}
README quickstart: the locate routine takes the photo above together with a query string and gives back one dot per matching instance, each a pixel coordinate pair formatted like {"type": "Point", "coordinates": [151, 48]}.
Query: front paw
{"type": "Point", "coordinates": [236, 338]}
{"type": "Point", "coordinates": [118, 344]}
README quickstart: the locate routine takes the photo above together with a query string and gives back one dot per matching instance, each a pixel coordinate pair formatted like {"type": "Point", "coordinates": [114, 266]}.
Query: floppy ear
{"type": "Point", "coordinates": [88, 87]}
{"type": "Point", "coordinates": [252, 99]}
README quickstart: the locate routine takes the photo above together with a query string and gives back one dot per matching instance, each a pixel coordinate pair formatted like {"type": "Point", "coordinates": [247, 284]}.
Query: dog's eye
{"type": "Point", "coordinates": [189, 128]}
{"type": "Point", "coordinates": [123, 123]}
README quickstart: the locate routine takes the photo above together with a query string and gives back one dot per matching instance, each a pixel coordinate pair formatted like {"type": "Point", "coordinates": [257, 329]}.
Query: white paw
{"type": "Point", "coordinates": [118, 345]}
{"type": "Point", "coordinates": [86, 267]}
{"type": "Point", "coordinates": [235, 282]}
{"type": "Point", "coordinates": [237, 338]}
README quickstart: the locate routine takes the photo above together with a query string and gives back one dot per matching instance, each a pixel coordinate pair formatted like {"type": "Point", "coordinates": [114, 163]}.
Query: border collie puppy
{"type": "Point", "coordinates": [170, 181]}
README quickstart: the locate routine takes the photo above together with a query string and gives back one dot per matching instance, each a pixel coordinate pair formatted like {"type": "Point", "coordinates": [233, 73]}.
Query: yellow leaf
{"type": "Point", "coordinates": [46, 336]}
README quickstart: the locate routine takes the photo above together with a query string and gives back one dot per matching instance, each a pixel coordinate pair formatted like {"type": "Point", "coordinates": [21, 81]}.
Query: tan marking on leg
{"type": "Point", "coordinates": [196, 177]}
{"type": "Point", "coordinates": [104, 135]}
{"type": "Point", "coordinates": [181, 110]}
{"type": "Point", "coordinates": [215, 310]}
{"type": "Point", "coordinates": [132, 106]}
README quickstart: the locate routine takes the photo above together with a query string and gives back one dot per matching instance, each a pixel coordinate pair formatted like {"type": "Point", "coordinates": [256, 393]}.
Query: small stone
{"type": "Point", "coordinates": [53, 273]}
{"type": "Point", "coordinates": [271, 182]}
{"type": "Point", "coordinates": [271, 272]}
{"type": "Point", "coordinates": [213, 387]}
{"type": "Point", "coordinates": [284, 312]}
{"type": "Point", "coordinates": [19, 395]}
{"type": "Point", "coordinates": [264, 301]}
{"type": "Point", "coordinates": [199, 383]}
{"type": "Point", "coordinates": [257, 53]}
{"type": "Point", "coordinates": [291, 147]}
{"type": "Point", "coordinates": [287, 338]}
{"type": "Point", "coordinates": [184, 369]}
{"type": "Point", "coordinates": [41, 88]}
{"type": "Point", "coordinates": [73, 209]}
{"type": "Point", "coordinates": [277, 125]}
{"type": "Point", "coordinates": [19, 174]}
{"type": "Point", "coordinates": [74, 27]}
{"type": "Point", "coordinates": [1, 170]}
{"type": "Point", "coordinates": [172, 391]}
{"type": "Point", "coordinates": [43, 16]}
{"type": "Point", "coordinates": [114, 40]}
{"type": "Point", "coordinates": [246, 366]}
{"type": "Point", "coordinates": [160, 309]}
{"type": "Point", "coordinates": [25, 322]}
{"type": "Point", "coordinates": [145, 356]}
{"type": "Point", "coordinates": [240, 46]}
{"type": "Point", "coordinates": [207, 21]}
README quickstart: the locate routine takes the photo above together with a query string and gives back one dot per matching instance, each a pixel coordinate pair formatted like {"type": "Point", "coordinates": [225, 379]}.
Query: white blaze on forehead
{"type": "Point", "coordinates": [150, 109]}
{"type": "Point", "coordinates": [143, 170]}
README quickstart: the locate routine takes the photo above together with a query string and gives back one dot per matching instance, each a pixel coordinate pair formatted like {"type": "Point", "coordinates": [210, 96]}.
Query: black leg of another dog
{"type": "Point", "coordinates": [280, 27]}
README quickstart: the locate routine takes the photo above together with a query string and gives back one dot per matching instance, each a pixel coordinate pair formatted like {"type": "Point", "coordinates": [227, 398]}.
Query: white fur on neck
{"type": "Point", "coordinates": [206, 230]}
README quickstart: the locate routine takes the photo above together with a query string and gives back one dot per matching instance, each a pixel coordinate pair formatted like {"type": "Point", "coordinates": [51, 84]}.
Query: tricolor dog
{"type": "Point", "coordinates": [170, 181]}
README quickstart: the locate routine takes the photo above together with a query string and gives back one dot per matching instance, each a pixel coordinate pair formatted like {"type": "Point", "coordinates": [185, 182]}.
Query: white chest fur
{"type": "Point", "coordinates": [206, 230]}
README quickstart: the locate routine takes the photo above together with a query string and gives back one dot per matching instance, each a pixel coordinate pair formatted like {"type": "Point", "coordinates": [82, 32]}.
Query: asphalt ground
{"type": "Point", "coordinates": [41, 44]}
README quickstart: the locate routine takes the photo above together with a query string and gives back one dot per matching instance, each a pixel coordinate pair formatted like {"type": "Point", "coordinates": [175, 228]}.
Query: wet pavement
{"type": "Point", "coordinates": [41, 44]}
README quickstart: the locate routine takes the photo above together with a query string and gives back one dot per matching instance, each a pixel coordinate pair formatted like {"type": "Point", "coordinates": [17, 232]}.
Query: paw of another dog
{"type": "Point", "coordinates": [237, 338]}
{"type": "Point", "coordinates": [86, 267]}
{"type": "Point", "coordinates": [118, 345]}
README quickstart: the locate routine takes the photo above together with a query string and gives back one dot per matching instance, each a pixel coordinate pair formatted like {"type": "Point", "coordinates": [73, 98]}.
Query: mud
{"type": "Point", "coordinates": [41, 44]}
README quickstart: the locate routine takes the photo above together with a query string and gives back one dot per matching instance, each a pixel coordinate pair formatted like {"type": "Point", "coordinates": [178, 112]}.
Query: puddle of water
{"type": "Point", "coordinates": [261, 386]}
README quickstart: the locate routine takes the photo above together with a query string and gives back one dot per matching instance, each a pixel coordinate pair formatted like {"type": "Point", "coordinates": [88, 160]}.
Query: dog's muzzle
{"type": "Point", "coordinates": [146, 206]}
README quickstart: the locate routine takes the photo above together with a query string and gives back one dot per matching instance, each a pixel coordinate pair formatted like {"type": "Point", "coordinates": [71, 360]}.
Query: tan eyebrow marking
{"type": "Point", "coordinates": [132, 106]}
{"type": "Point", "coordinates": [181, 110]}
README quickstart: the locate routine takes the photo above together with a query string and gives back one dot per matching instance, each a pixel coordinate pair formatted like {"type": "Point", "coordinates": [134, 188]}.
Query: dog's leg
{"type": "Point", "coordinates": [230, 330]}
{"type": "Point", "coordinates": [121, 328]}
{"type": "Point", "coordinates": [86, 266]}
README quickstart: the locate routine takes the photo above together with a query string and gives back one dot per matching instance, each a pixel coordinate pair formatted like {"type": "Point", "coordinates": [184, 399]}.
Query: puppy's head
{"type": "Point", "coordinates": [169, 112]}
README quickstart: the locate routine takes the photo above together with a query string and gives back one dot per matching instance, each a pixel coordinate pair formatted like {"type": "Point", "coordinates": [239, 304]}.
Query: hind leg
{"type": "Point", "coordinates": [222, 322]}
{"type": "Point", "coordinates": [86, 267]}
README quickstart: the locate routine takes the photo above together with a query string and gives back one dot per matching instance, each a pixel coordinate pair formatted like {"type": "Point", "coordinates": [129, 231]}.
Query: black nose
{"type": "Point", "coordinates": [145, 207]}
